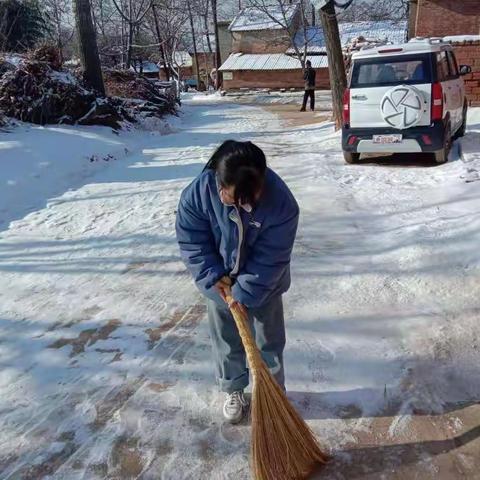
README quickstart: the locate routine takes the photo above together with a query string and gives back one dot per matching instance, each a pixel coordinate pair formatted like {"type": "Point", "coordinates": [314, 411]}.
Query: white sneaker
{"type": "Point", "coordinates": [235, 407]}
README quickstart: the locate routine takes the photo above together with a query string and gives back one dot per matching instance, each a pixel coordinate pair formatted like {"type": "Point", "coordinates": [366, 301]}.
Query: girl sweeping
{"type": "Point", "coordinates": [236, 225]}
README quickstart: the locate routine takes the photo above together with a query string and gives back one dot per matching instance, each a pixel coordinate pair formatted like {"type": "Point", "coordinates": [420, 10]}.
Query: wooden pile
{"type": "Point", "coordinates": [357, 44]}
{"type": "Point", "coordinates": [35, 89]}
{"type": "Point", "coordinates": [141, 95]}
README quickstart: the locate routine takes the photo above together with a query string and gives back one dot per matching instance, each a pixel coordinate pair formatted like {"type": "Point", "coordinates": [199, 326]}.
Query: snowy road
{"type": "Point", "coordinates": [105, 369]}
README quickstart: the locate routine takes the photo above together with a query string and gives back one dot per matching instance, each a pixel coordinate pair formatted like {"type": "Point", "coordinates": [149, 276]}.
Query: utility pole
{"type": "Point", "coordinates": [218, 57]}
{"type": "Point", "coordinates": [87, 39]}
{"type": "Point", "coordinates": [336, 65]}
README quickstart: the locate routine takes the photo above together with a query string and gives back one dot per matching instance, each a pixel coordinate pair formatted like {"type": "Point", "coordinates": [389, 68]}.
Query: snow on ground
{"type": "Point", "coordinates": [262, 97]}
{"type": "Point", "coordinates": [38, 162]}
{"type": "Point", "coordinates": [105, 366]}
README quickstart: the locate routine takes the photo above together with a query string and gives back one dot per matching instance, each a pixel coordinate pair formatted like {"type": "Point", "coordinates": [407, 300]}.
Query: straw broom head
{"type": "Point", "coordinates": [283, 446]}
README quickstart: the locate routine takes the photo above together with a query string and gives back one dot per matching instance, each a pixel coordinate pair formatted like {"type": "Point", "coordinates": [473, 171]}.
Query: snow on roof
{"type": "Point", "coordinates": [269, 61]}
{"type": "Point", "coordinates": [389, 30]}
{"type": "Point", "coordinates": [461, 38]}
{"type": "Point", "coordinates": [145, 67]}
{"type": "Point", "coordinates": [254, 18]}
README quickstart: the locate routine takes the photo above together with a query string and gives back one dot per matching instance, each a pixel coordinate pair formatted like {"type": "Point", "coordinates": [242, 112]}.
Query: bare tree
{"type": "Point", "coordinates": [218, 58]}
{"type": "Point", "coordinates": [194, 41]}
{"type": "Point", "coordinates": [59, 13]}
{"type": "Point", "coordinates": [133, 13]}
{"type": "Point", "coordinates": [87, 40]}
{"type": "Point", "coordinates": [168, 22]}
{"type": "Point", "coordinates": [202, 8]}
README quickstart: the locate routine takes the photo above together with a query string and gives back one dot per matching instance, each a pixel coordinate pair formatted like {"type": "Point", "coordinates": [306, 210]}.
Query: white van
{"type": "Point", "coordinates": [404, 98]}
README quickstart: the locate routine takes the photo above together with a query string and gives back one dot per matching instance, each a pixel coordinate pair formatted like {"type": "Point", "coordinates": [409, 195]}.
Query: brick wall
{"type": "Point", "coordinates": [468, 53]}
{"type": "Point", "coordinates": [263, 41]}
{"type": "Point", "coordinates": [438, 18]}
{"type": "Point", "coordinates": [273, 79]}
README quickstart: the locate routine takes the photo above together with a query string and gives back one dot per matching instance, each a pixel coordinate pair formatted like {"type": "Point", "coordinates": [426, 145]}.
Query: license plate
{"type": "Point", "coordinates": [393, 138]}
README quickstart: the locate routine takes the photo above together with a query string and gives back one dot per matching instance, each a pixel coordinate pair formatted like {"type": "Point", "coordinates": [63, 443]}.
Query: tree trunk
{"type": "Point", "coordinates": [195, 53]}
{"type": "Point", "coordinates": [205, 22]}
{"type": "Point", "coordinates": [218, 57]}
{"type": "Point", "coordinates": [166, 70]}
{"type": "Point", "coordinates": [58, 27]}
{"type": "Point", "coordinates": [87, 40]}
{"type": "Point", "coordinates": [336, 66]}
{"type": "Point", "coordinates": [129, 47]}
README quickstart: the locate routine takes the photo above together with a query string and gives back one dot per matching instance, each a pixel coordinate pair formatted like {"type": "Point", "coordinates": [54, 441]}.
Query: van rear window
{"type": "Point", "coordinates": [399, 70]}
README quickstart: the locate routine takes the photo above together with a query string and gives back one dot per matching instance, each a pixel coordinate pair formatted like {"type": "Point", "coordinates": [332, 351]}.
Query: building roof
{"type": "Point", "coordinates": [388, 30]}
{"type": "Point", "coordinates": [145, 66]}
{"type": "Point", "coordinates": [254, 18]}
{"type": "Point", "coordinates": [269, 61]}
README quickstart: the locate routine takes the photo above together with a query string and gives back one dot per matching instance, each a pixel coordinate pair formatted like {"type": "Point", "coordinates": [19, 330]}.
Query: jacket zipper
{"type": "Point", "coordinates": [238, 221]}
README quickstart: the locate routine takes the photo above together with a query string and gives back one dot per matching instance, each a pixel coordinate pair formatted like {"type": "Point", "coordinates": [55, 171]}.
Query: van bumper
{"type": "Point", "coordinates": [417, 139]}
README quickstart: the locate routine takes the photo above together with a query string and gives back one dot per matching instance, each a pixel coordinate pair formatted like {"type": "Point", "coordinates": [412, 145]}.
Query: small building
{"type": "Point", "coordinates": [270, 70]}
{"type": "Point", "coordinates": [458, 22]}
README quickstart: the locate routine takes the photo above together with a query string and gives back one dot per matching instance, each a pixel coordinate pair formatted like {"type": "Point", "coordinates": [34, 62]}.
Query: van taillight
{"type": "Point", "coordinates": [437, 101]}
{"type": "Point", "coordinates": [346, 107]}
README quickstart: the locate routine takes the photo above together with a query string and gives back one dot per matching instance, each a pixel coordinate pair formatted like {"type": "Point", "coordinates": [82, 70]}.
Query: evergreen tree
{"type": "Point", "coordinates": [22, 24]}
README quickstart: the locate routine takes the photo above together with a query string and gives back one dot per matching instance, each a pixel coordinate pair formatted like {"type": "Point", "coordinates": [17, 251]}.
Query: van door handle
{"type": "Point", "coordinates": [359, 97]}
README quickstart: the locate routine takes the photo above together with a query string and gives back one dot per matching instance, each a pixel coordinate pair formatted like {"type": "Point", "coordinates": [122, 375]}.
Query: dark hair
{"type": "Point", "coordinates": [309, 63]}
{"type": "Point", "coordinates": [242, 165]}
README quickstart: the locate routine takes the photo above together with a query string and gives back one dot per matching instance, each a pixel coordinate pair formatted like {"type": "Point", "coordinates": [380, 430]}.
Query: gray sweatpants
{"type": "Point", "coordinates": [229, 355]}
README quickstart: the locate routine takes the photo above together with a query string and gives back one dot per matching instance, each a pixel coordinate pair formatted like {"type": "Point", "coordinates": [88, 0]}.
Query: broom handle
{"type": "Point", "coordinates": [253, 354]}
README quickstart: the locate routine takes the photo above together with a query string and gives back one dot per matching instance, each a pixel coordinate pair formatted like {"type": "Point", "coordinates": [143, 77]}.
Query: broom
{"type": "Point", "coordinates": [283, 446]}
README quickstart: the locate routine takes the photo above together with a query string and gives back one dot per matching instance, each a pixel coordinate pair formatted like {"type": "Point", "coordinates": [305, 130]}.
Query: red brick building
{"type": "Point", "coordinates": [459, 22]}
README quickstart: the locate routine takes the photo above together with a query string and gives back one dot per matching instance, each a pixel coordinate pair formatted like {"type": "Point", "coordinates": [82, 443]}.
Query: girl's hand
{"type": "Point", "coordinates": [224, 288]}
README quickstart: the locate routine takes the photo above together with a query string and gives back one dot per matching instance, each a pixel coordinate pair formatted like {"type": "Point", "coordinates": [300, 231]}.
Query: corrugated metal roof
{"type": "Point", "coordinates": [389, 30]}
{"type": "Point", "coordinates": [269, 61]}
{"type": "Point", "coordinates": [254, 18]}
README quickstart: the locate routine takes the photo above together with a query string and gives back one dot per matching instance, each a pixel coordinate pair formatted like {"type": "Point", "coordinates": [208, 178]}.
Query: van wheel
{"type": "Point", "coordinates": [351, 157]}
{"type": "Point", "coordinates": [441, 156]}
{"type": "Point", "coordinates": [461, 131]}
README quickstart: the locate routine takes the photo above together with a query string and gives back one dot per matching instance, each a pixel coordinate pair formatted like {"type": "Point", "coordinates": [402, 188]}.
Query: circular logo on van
{"type": "Point", "coordinates": [402, 107]}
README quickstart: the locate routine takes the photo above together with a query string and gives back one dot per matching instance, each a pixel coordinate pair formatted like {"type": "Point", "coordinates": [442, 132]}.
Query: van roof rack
{"type": "Point", "coordinates": [429, 40]}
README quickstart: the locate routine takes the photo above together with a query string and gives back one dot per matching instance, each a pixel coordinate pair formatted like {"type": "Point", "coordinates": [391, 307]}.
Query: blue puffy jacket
{"type": "Point", "coordinates": [253, 248]}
